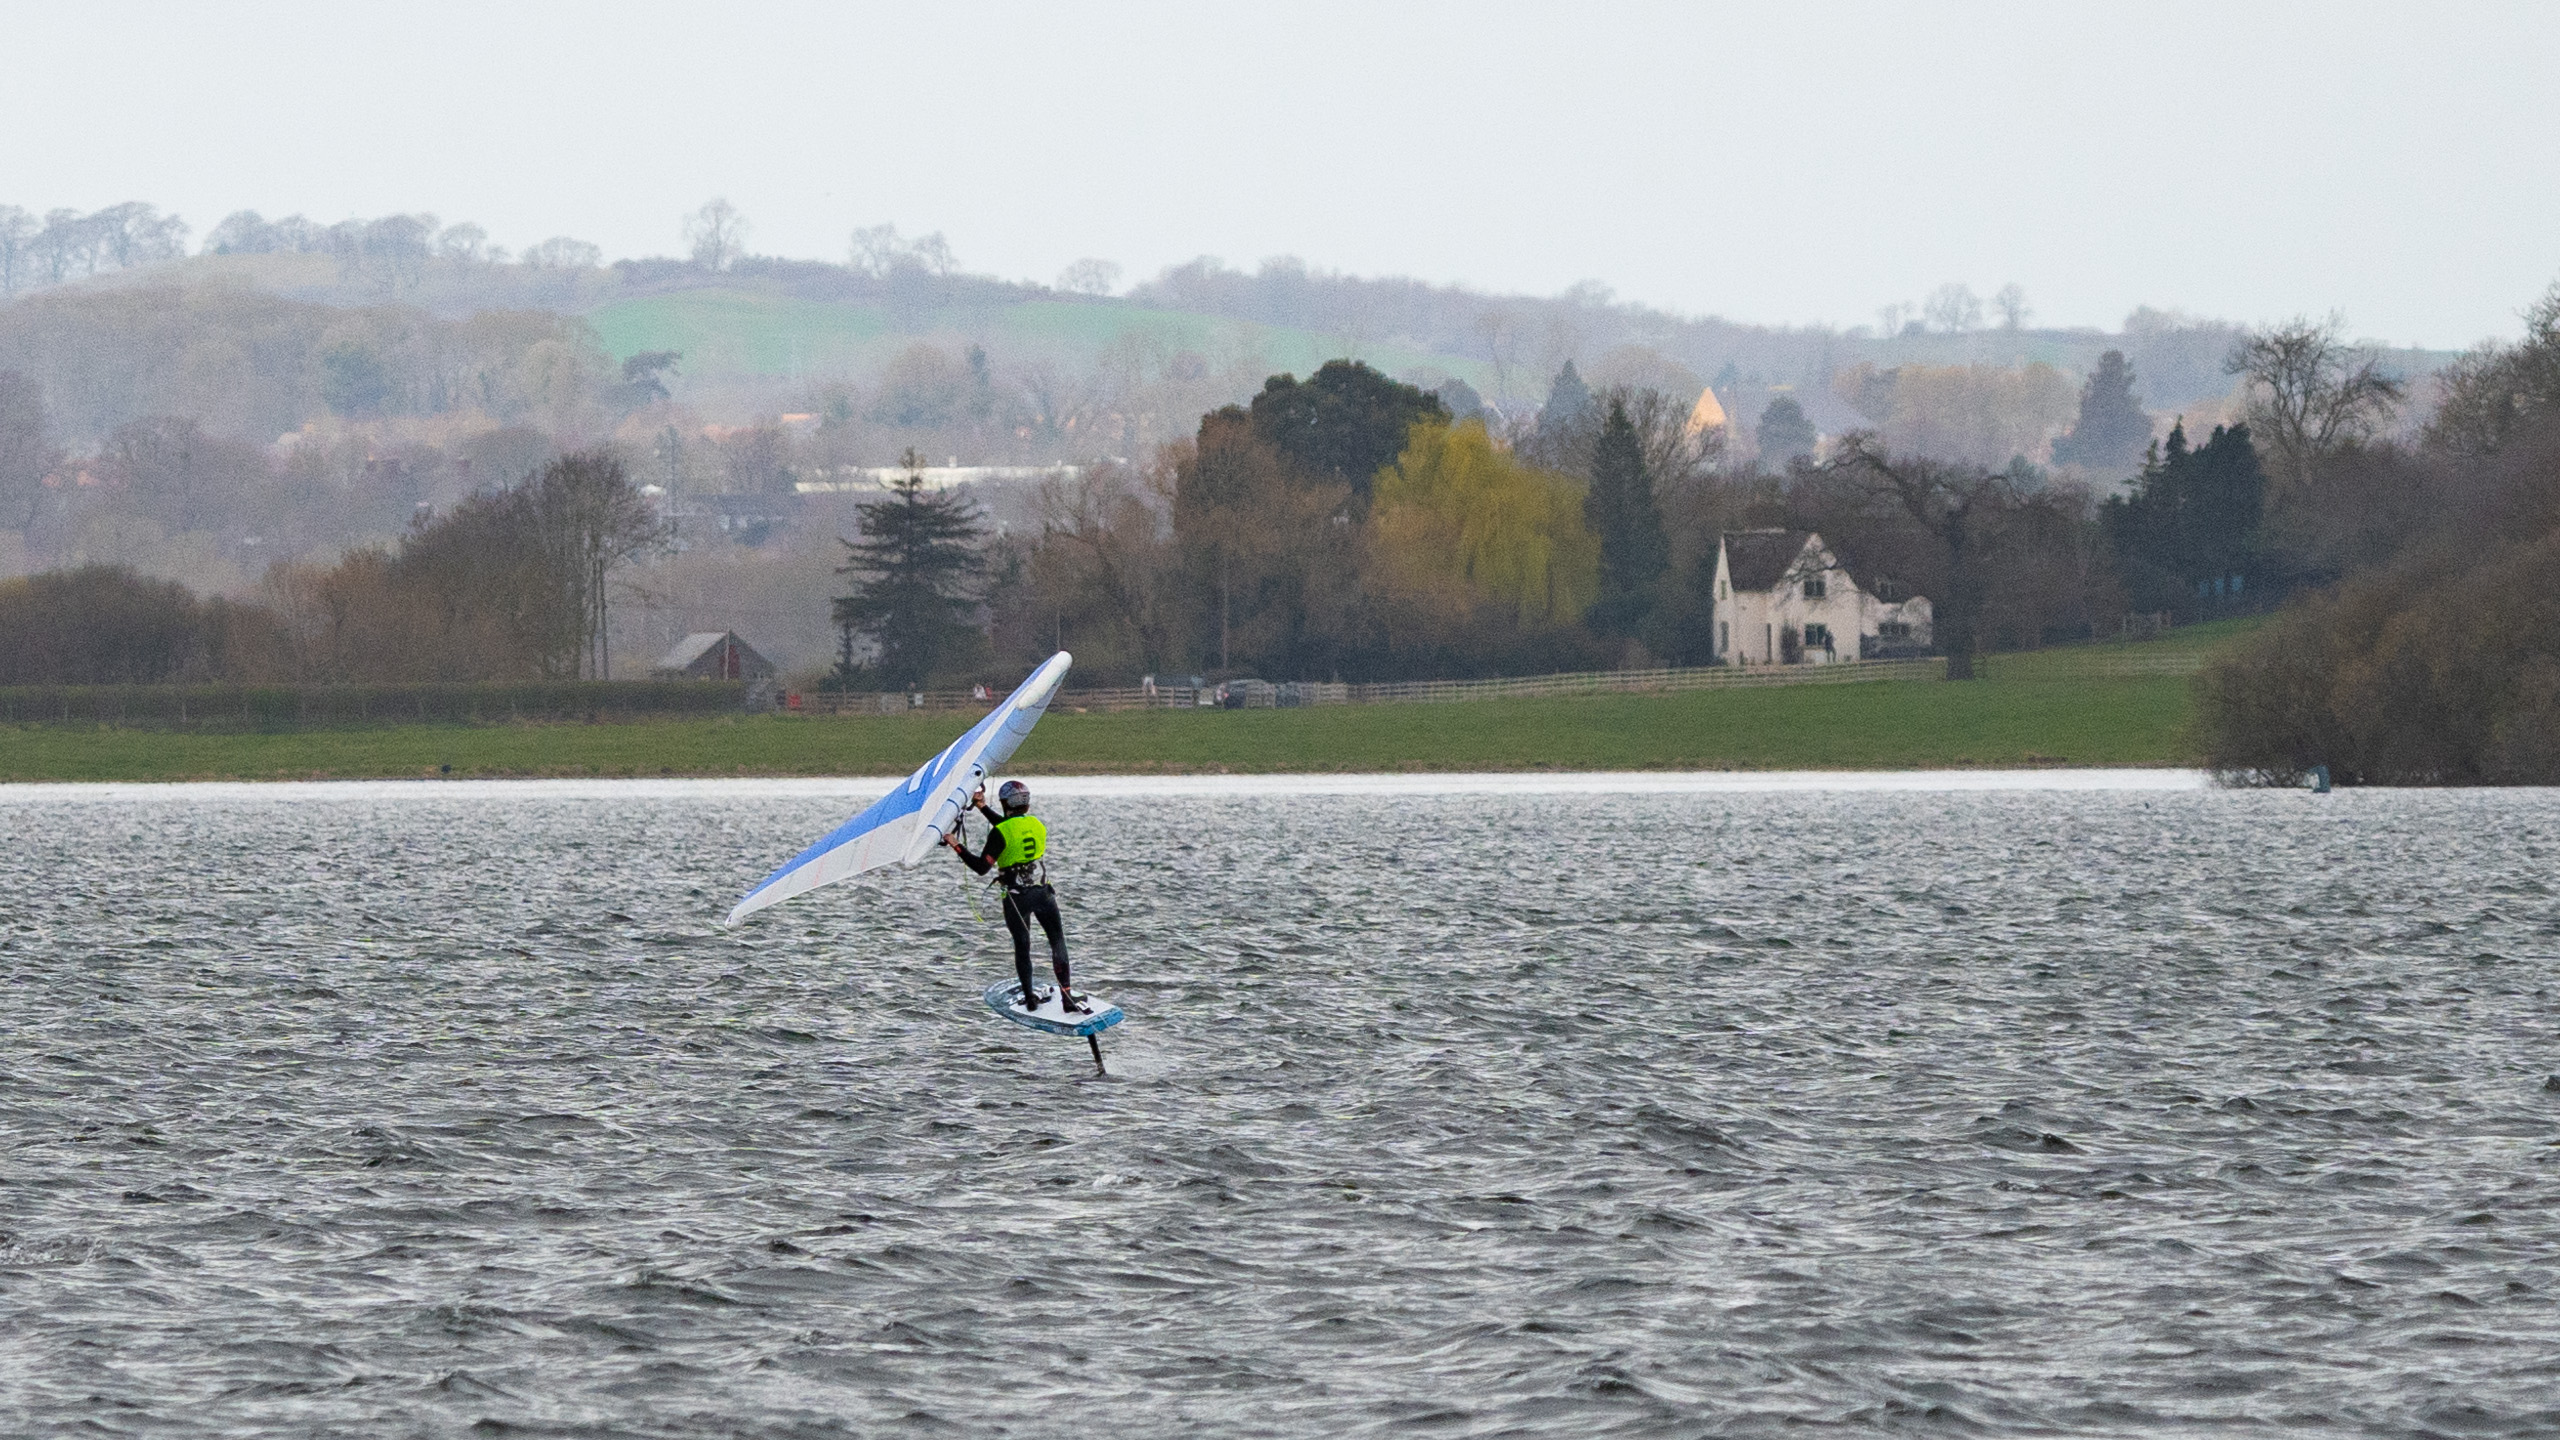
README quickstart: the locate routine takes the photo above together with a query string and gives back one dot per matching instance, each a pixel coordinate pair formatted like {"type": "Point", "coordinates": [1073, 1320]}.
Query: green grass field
{"type": "Point", "coordinates": [748, 332]}
{"type": "Point", "coordinates": [1903, 725]}
{"type": "Point", "coordinates": [2187, 644]}
{"type": "Point", "coordinates": [2066, 706]}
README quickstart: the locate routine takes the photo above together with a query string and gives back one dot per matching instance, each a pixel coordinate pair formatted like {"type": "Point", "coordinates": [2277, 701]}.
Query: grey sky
{"type": "Point", "coordinates": [1777, 162]}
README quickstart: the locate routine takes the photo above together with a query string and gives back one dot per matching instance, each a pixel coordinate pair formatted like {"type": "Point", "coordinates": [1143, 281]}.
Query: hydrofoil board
{"type": "Point", "coordinates": [1005, 998]}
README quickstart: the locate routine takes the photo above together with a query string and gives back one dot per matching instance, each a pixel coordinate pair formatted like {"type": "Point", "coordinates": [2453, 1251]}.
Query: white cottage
{"type": "Point", "coordinates": [1782, 598]}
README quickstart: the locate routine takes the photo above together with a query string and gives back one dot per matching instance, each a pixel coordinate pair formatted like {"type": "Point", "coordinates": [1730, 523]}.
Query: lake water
{"type": "Point", "coordinates": [1534, 1106]}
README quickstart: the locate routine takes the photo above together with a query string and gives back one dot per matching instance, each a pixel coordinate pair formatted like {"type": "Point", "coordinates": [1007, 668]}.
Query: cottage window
{"type": "Point", "coordinates": [1896, 630]}
{"type": "Point", "coordinates": [1724, 637]}
{"type": "Point", "coordinates": [1817, 637]}
{"type": "Point", "coordinates": [1813, 590]}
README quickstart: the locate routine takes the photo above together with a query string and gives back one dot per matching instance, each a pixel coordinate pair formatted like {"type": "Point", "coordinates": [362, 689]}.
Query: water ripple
{"type": "Point", "coordinates": [1574, 1109]}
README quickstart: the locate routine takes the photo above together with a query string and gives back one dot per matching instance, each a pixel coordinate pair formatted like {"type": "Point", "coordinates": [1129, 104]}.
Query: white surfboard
{"type": "Point", "coordinates": [1005, 998]}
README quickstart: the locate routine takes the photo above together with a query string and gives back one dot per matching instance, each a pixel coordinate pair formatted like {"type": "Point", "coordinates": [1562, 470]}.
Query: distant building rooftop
{"type": "Point", "coordinates": [712, 655]}
{"type": "Point", "coordinates": [865, 479]}
{"type": "Point", "coordinates": [1760, 558]}
{"type": "Point", "coordinates": [1708, 414]}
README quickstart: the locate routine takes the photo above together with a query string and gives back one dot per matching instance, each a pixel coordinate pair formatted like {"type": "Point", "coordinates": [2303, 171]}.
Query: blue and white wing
{"type": "Point", "coordinates": [902, 826]}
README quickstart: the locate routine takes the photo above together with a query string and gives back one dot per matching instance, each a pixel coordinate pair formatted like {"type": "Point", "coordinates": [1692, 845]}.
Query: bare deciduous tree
{"type": "Point", "coordinates": [560, 252]}
{"type": "Point", "coordinates": [17, 250]}
{"type": "Point", "coordinates": [389, 253]}
{"type": "Point", "coordinates": [27, 450]}
{"type": "Point", "coordinates": [2310, 393]}
{"type": "Point", "coordinates": [1090, 276]}
{"type": "Point", "coordinates": [1953, 308]}
{"type": "Point", "coordinates": [183, 477]}
{"type": "Point", "coordinates": [934, 254]}
{"type": "Point", "coordinates": [61, 244]}
{"type": "Point", "coordinates": [2492, 391]}
{"type": "Point", "coordinates": [592, 520]}
{"type": "Point", "coordinates": [2011, 302]}
{"type": "Point", "coordinates": [1107, 542]}
{"type": "Point", "coordinates": [875, 249]}
{"type": "Point", "coordinates": [880, 251]}
{"type": "Point", "coordinates": [1965, 512]}
{"type": "Point", "coordinates": [136, 234]}
{"type": "Point", "coordinates": [466, 242]}
{"type": "Point", "coordinates": [716, 234]}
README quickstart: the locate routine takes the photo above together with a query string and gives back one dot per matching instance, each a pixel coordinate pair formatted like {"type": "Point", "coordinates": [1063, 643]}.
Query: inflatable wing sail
{"type": "Point", "coordinates": [912, 819]}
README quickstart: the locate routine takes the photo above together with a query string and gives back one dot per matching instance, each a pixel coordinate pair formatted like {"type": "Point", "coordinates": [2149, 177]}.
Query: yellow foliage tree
{"type": "Point", "coordinates": [1459, 524]}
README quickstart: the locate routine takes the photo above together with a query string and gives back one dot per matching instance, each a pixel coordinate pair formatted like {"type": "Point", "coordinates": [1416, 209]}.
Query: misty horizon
{"type": "Point", "coordinates": [1786, 169]}
{"type": "Point", "coordinates": [1953, 307]}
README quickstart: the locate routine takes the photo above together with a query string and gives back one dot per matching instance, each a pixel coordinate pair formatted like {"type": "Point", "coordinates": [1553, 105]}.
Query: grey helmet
{"type": "Point", "coordinates": [1014, 797]}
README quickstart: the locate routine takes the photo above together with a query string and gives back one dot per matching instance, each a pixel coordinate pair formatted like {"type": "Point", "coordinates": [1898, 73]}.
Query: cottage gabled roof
{"type": "Point", "coordinates": [691, 648]}
{"type": "Point", "coordinates": [1761, 558]}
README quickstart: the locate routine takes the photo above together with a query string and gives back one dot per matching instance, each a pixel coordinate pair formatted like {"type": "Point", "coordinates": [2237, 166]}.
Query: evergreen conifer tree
{"type": "Point", "coordinates": [1784, 433]}
{"type": "Point", "coordinates": [2186, 538]}
{"type": "Point", "coordinates": [1460, 399]}
{"type": "Point", "coordinates": [1620, 509]}
{"type": "Point", "coordinates": [2226, 498]}
{"type": "Point", "coordinates": [916, 569]}
{"type": "Point", "coordinates": [2113, 427]}
{"type": "Point", "coordinates": [1567, 400]}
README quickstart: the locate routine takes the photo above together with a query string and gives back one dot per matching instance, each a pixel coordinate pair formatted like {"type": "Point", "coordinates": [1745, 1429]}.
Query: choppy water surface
{"type": "Point", "coordinates": [405, 1110]}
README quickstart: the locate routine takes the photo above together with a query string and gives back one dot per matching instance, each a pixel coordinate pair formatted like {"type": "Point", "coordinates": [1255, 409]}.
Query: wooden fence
{"type": "Point", "coordinates": [2088, 666]}
{"type": "Point", "coordinates": [1263, 695]}
{"type": "Point", "coordinates": [312, 707]}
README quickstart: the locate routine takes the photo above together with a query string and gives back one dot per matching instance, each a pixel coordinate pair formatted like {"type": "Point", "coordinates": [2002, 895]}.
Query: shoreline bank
{"type": "Point", "coordinates": [859, 789]}
{"type": "Point", "coordinates": [2005, 724]}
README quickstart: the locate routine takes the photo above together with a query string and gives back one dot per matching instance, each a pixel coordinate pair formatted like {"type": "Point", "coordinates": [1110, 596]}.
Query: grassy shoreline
{"type": "Point", "coordinates": [2068, 706]}
{"type": "Point", "coordinates": [1903, 725]}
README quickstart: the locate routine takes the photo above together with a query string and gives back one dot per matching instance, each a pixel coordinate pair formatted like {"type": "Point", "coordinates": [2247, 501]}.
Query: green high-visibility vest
{"type": "Point", "coordinates": [1025, 840]}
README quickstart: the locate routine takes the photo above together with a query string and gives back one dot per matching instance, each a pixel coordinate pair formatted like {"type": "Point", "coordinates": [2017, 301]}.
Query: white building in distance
{"type": "Point", "coordinates": [1783, 598]}
{"type": "Point", "coordinates": [872, 479]}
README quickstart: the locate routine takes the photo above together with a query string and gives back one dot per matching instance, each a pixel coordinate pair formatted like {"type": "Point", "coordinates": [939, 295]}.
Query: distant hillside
{"type": "Point", "coordinates": [774, 319]}
{"type": "Point", "coordinates": [1011, 372]}
{"type": "Point", "coordinates": [736, 329]}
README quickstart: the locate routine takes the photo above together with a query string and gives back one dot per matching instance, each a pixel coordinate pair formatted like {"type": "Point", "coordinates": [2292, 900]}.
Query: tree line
{"type": "Point", "coordinates": [1946, 362]}
{"type": "Point", "coordinates": [1350, 526]}
{"type": "Point", "coordinates": [510, 584]}
{"type": "Point", "coordinates": [62, 245]}
{"type": "Point", "coordinates": [247, 363]}
{"type": "Point", "coordinates": [1522, 340]}
{"type": "Point", "coordinates": [2425, 647]}
{"type": "Point", "coordinates": [388, 253]}
{"type": "Point", "coordinates": [1353, 526]}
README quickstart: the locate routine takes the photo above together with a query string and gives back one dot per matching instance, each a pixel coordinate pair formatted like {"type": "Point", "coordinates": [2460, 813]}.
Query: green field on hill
{"type": "Point", "coordinates": [751, 332]}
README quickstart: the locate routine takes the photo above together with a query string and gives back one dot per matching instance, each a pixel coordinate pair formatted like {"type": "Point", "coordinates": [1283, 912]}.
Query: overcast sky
{"type": "Point", "coordinates": [1787, 163]}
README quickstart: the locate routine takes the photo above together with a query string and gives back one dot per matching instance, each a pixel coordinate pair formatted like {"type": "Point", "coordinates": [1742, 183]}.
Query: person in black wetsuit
{"type": "Point", "coordinates": [1016, 850]}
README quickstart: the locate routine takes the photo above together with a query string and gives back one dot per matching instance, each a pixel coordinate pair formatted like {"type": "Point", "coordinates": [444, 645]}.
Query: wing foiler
{"type": "Point", "coordinates": [903, 825]}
